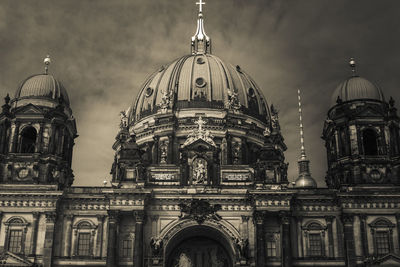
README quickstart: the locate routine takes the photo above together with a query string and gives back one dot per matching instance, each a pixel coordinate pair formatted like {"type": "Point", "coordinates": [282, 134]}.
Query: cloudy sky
{"type": "Point", "coordinates": [103, 50]}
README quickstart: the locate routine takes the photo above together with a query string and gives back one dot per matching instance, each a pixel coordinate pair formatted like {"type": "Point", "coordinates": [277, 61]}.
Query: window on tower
{"type": "Point", "coordinates": [382, 233]}
{"type": "Point", "coordinates": [28, 140]}
{"type": "Point", "coordinates": [370, 142]}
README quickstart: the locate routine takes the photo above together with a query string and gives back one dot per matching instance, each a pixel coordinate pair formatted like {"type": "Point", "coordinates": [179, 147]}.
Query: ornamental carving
{"type": "Point", "coordinates": [199, 210]}
{"type": "Point", "coordinates": [199, 171]}
{"type": "Point", "coordinates": [156, 244]}
{"type": "Point", "coordinates": [200, 134]}
{"type": "Point", "coordinates": [242, 246]}
{"type": "Point", "coordinates": [233, 102]}
{"type": "Point", "coordinates": [165, 100]}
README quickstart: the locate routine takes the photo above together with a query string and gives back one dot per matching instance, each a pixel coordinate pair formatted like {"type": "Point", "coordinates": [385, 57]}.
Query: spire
{"type": "Point", "coordinates": [352, 64]}
{"type": "Point", "coordinates": [201, 43]}
{"type": "Point", "coordinates": [302, 149]}
{"type": "Point", "coordinates": [46, 62]}
{"type": "Point", "coordinates": [304, 180]}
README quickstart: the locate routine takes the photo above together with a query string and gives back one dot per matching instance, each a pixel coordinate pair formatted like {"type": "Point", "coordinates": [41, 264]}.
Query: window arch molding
{"type": "Point", "coordinates": [314, 233]}
{"type": "Point", "coordinates": [16, 228]}
{"type": "Point", "coordinates": [370, 141]}
{"type": "Point", "coordinates": [27, 138]}
{"type": "Point", "coordinates": [382, 236]}
{"type": "Point", "coordinates": [84, 232]}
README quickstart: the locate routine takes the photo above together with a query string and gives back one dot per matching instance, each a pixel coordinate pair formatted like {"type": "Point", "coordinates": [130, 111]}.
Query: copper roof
{"type": "Point", "coordinates": [355, 88]}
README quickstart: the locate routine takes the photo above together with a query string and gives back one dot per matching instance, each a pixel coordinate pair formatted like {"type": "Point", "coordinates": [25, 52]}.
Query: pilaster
{"type": "Point", "coordinates": [349, 247]}
{"type": "Point", "coordinates": [138, 246]}
{"type": "Point", "coordinates": [48, 239]}
{"type": "Point", "coordinates": [286, 242]}
{"type": "Point", "coordinates": [258, 218]}
{"type": "Point", "coordinates": [113, 218]}
{"type": "Point", "coordinates": [35, 219]}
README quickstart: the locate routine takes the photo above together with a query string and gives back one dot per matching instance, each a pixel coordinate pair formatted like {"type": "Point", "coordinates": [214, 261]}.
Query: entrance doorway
{"type": "Point", "coordinates": [199, 252]}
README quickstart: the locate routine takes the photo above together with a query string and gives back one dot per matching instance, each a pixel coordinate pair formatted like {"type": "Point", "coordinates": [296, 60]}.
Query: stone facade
{"type": "Point", "coordinates": [199, 178]}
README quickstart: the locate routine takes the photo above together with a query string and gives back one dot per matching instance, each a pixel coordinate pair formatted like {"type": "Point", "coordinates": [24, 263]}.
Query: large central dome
{"type": "Point", "coordinates": [200, 81]}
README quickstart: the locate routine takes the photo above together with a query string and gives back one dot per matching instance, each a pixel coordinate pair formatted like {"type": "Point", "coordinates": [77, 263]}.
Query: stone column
{"type": "Point", "coordinates": [113, 218]}
{"type": "Point", "coordinates": [35, 219]}
{"type": "Point", "coordinates": [300, 237]}
{"type": "Point", "coordinates": [258, 218]}
{"type": "Point", "coordinates": [38, 147]}
{"type": "Point", "coordinates": [286, 242]}
{"type": "Point", "coordinates": [99, 240]}
{"type": "Point", "coordinates": [138, 247]}
{"type": "Point", "coordinates": [349, 248]}
{"type": "Point", "coordinates": [48, 239]}
{"type": "Point", "coordinates": [329, 220]}
{"type": "Point", "coordinates": [363, 231]}
{"type": "Point", "coordinates": [67, 235]}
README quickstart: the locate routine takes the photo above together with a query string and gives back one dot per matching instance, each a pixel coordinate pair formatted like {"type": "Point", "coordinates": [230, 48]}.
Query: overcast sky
{"type": "Point", "coordinates": [102, 51]}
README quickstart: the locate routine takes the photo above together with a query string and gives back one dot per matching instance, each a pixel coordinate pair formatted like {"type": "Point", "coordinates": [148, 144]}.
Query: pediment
{"type": "Point", "coordinates": [29, 110]}
{"type": "Point", "coordinates": [10, 259]}
{"type": "Point", "coordinates": [387, 260]}
{"type": "Point", "coordinates": [369, 112]}
{"type": "Point", "coordinates": [196, 144]}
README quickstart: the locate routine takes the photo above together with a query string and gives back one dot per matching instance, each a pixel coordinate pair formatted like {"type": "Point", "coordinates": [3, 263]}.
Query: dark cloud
{"type": "Point", "coordinates": [103, 51]}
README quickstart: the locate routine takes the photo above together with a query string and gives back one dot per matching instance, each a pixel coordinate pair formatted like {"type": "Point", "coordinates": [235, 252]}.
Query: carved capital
{"type": "Point", "coordinates": [50, 217]}
{"type": "Point", "coordinates": [347, 219]}
{"type": "Point", "coordinates": [139, 216]}
{"type": "Point", "coordinates": [258, 217]}
{"type": "Point", "coordinates": [113, 216]}
{"type": "Point", "coordinates": [35, 215]}
{"type": "Point", "coordinates": [284, 216]}
{"type": "Point", "coordinates": [245, 218]}
{"type": "Point", "coordinates": [329, 219]}
{"type": "Point", "coordinates": [363, 217]}
{"type": "Point", "coordinates": [100, 218]}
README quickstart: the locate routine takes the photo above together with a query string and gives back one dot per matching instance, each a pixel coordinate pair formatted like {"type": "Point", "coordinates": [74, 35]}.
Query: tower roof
{"type": "Point", "coordinates": [356, 88]}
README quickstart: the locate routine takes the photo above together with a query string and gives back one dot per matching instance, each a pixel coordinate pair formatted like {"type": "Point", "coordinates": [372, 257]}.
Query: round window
{"type": "Point", "coordinates": [200, 82]}
{"type": "Point", "coordinates": [200, 60]}
{"type": "Point", "coordinates": [23, 173]}
{"type": "Point", "coordinates": [149, 91]}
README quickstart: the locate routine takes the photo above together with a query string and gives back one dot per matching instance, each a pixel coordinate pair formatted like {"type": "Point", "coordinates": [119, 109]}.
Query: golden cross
{"type": "Point", "coordinates": [200, 3]}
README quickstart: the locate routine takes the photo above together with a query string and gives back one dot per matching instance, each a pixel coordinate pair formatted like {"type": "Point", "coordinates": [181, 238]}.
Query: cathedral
{"type": "Point", "coordinates": [199, 177]}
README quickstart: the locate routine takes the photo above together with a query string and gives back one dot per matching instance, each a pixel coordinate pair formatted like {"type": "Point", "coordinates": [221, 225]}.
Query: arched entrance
{"type": "Point", "coordinates": [199, 246]}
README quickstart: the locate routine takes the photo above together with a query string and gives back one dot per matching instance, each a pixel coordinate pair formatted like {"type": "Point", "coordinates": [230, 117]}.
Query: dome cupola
{"type": "Point", "coordinates": [356, 88]}
{"type": "Point", "coordinates": [42, 90]}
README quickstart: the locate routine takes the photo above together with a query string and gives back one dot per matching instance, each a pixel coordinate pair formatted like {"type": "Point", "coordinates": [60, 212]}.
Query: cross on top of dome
{"type": "Point", "coordinates": [201, 43]}
{"type": "Point", "coordinates": [200, 3]}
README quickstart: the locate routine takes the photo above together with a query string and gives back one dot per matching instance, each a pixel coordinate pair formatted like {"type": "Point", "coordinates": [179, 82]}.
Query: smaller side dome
{"type": "Point", "coordinates": [42, 86]}
{"type": "Point", "coordinates": [355, 88]}
{"type": "Point", "coordinates": [305, 181]}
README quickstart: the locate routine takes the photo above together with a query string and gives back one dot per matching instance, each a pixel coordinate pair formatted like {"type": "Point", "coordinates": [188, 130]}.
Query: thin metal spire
{"type": "Point", "coordinates": [201, 43]}
{"type": "Point", "coordinates": [46, 62]}
{"type": "Point", "coordinates": [303, 150]}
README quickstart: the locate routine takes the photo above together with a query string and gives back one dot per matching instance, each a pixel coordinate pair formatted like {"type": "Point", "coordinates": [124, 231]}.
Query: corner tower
{"type": "Point", "coordinates": [361, 135]}
{"type": "Point", "coordinates": [37, 132]}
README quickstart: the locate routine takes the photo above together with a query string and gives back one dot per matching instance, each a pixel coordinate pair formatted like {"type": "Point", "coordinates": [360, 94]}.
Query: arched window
{"type": "Point", "coordinates": [16, 229]}
{"type": "Point", "coordinates": [382, 233]}
{"type": "Point", "coordinates": [343, 141]}
{"type": "Point", "coordinates": [370, 142]}
{"type": "Point", "coordinates": [84, 232]}
{"type": "Point", "coordinates": [28, 140]}
{"type": "Point", "coordinates": [315, 236]}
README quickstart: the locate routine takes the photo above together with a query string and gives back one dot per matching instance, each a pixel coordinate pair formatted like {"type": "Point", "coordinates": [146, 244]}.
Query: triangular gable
{"type": "Point", "coordinates": [197, 143]}
{"type": "Point", "coordinates": [11, 259]}
{"type": "Point", "coordinates": [387, 260]}
{"type": "Point", "coordinates": [30, 109]}
{"type": "Point", "coordinates": [369, 112]}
